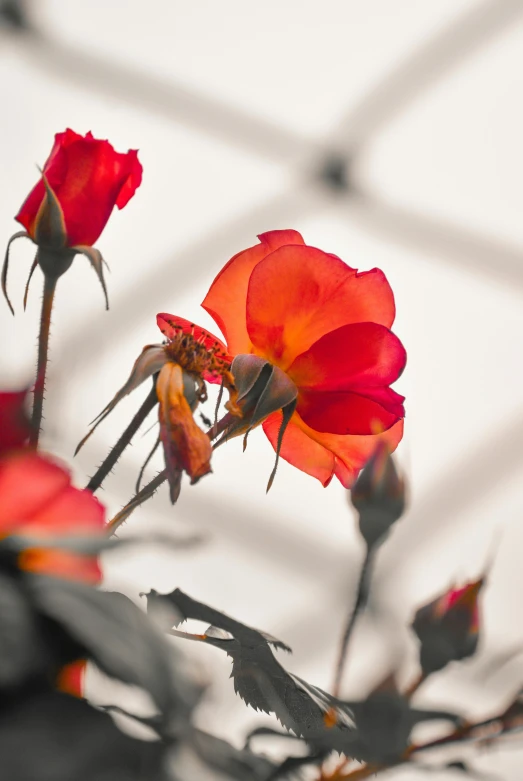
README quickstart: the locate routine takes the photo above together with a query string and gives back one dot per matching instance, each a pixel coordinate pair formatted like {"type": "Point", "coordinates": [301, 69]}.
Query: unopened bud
{"type": "Point", "coordinates": [448, 627]}
{"type": "Point", "coordinates": [378, 495]}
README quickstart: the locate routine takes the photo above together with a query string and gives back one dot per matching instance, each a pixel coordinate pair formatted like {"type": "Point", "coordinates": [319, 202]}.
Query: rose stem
{"type": "Point", "coordinates": [414, 686]}
{"type": "Point", "coordinates": [139, 498]}
{"type": "Point", "coordinates": [114, 454]}
{"type": "Point", "coordinates": [361, 599]}
{"type": "Point", "coordinates": [148, 491]}
{"type": "Point", "coordinates": [43, 350]}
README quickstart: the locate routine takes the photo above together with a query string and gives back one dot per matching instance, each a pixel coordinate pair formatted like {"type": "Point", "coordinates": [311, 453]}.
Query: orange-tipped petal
{"type": "Point", "coordinates": [60, 564]}
{"type": "Point", "coordinates": [37, 498]}
{"type": "Point", "coordinates": [225, 301]}
{"type": "Point", "coordinates": [326, 455]}
{"type": "Point", "coordinates": [185, 445]}
{"type": "Point", "coordinates": [297, 294]}
{"type": "Point", "coordinates": [300, 450]}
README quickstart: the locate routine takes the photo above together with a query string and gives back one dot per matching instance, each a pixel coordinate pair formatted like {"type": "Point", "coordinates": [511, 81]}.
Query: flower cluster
{"type": "Point", "coordinates": [307, 354]}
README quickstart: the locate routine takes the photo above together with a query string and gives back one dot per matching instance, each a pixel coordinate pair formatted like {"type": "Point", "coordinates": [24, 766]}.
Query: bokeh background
{"type": "Point", "coordinates": [388, 132]}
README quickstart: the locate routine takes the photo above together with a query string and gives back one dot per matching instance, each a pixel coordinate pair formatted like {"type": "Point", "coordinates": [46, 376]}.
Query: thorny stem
{"type": "Point", "coordinates": [43, 350]}
{"type": "Point", "coordinates": [460, 734]}
{"type": "Point", "coordinates": [219, 427]}
{"type": "Point", "coordinates": [361, 600]}
{"type": "Point", "coordinates": [114, 454]}
{"type": "Point", "coordinates": [150, 489]}
{"type": "Point", "coordinates": [139, 498]}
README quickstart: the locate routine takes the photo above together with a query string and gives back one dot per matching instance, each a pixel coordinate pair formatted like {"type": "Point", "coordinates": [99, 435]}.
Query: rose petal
{"type": "Point", "coordinates": [88, 178]}
{"type": "Point", "coordinates": [27, 483]}
{"type": "Point", "coordinates": [225, 301]}
{"type": "Point", "coordinates": [326, 455]}
{"type": "Point", "coordinates": [185, 445]}
{"type": "Point", "coordinates": [355, 355]}
{"type": "Point", "coordinates": [60, 564]}
{"type": "Point", "coordinates": [133, 181]}
{"type": "Point", "coordinates": [348, 412]}
{"type": "Point", "coordinates": [297, 294]}
{"type": "Point", "coordinates": [300, 450]}
{"type": "Point", "coordinates": [168, 325]}
{"type": "Point", "coordinates": [72, 511]}
{"type": "Point", "coordinates": [95, 176]}
{"type": "Point", "coordinates": [36, 496]}
{"type": "Point", "coordinates": [14, 423]}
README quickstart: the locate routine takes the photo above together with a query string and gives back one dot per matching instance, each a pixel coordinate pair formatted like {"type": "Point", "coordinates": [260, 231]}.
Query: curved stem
{"type": "Point", "coordinates": [139, 498]}
{"type": "Point", "coordinates": [43, 350]}
{"type": "Point", "coordinates": [361, 600]}
{"type": "Point", "coordinates": [114, 454]}
{"type": "Point", "coordinates": [414, 686]}
{"type": "Point", "coordinates": [148, 490]}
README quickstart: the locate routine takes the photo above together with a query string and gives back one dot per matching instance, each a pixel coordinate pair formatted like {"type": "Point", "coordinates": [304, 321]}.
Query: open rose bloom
{"type": "Point", "coordinates": [323, 329]}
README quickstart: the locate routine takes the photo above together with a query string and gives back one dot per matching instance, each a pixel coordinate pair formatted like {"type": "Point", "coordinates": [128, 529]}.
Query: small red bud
{"type": "Point", "coordinates": [378, 495]}
{"type": "Point", "coordinates": [448, 627]}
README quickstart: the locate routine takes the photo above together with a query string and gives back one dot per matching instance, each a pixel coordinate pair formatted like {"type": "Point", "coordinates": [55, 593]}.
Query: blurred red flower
{"type": "Point", "coordinates": [37, 499]}
{"type": "Point", "coordinates": [88, 179]}
{"type": "Point", "coordinates": [14, 423]}
{"type": "Point", "coordinates": [327, 327]}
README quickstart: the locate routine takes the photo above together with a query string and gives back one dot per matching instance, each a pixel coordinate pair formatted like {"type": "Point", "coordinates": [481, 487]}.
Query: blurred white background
{"type": "Point", "coordinates": [388, 132]}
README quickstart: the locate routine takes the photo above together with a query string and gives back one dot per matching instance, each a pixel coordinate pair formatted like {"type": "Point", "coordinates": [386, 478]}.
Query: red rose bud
{"type": "Point", "coordinates": [66, 211]}
{"type": "Point", "coordinates": [448, 627]}
{"type": "Point", "coordinates": [378, 495]}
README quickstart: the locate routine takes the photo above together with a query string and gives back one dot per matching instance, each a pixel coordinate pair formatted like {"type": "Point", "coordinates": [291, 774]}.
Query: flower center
{"type": "Point", "coordinates": [195, 355]}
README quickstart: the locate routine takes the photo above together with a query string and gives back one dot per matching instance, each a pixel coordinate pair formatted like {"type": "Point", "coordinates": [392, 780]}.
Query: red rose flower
{"type": "Point", "coordinates": [66, 211]}
{"type": "Point", "coordinates": [88, 179]}
{"type": "Point", "coordinates": [325, 329]}
{"type": "Point", "coordinates": [37, 499]}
